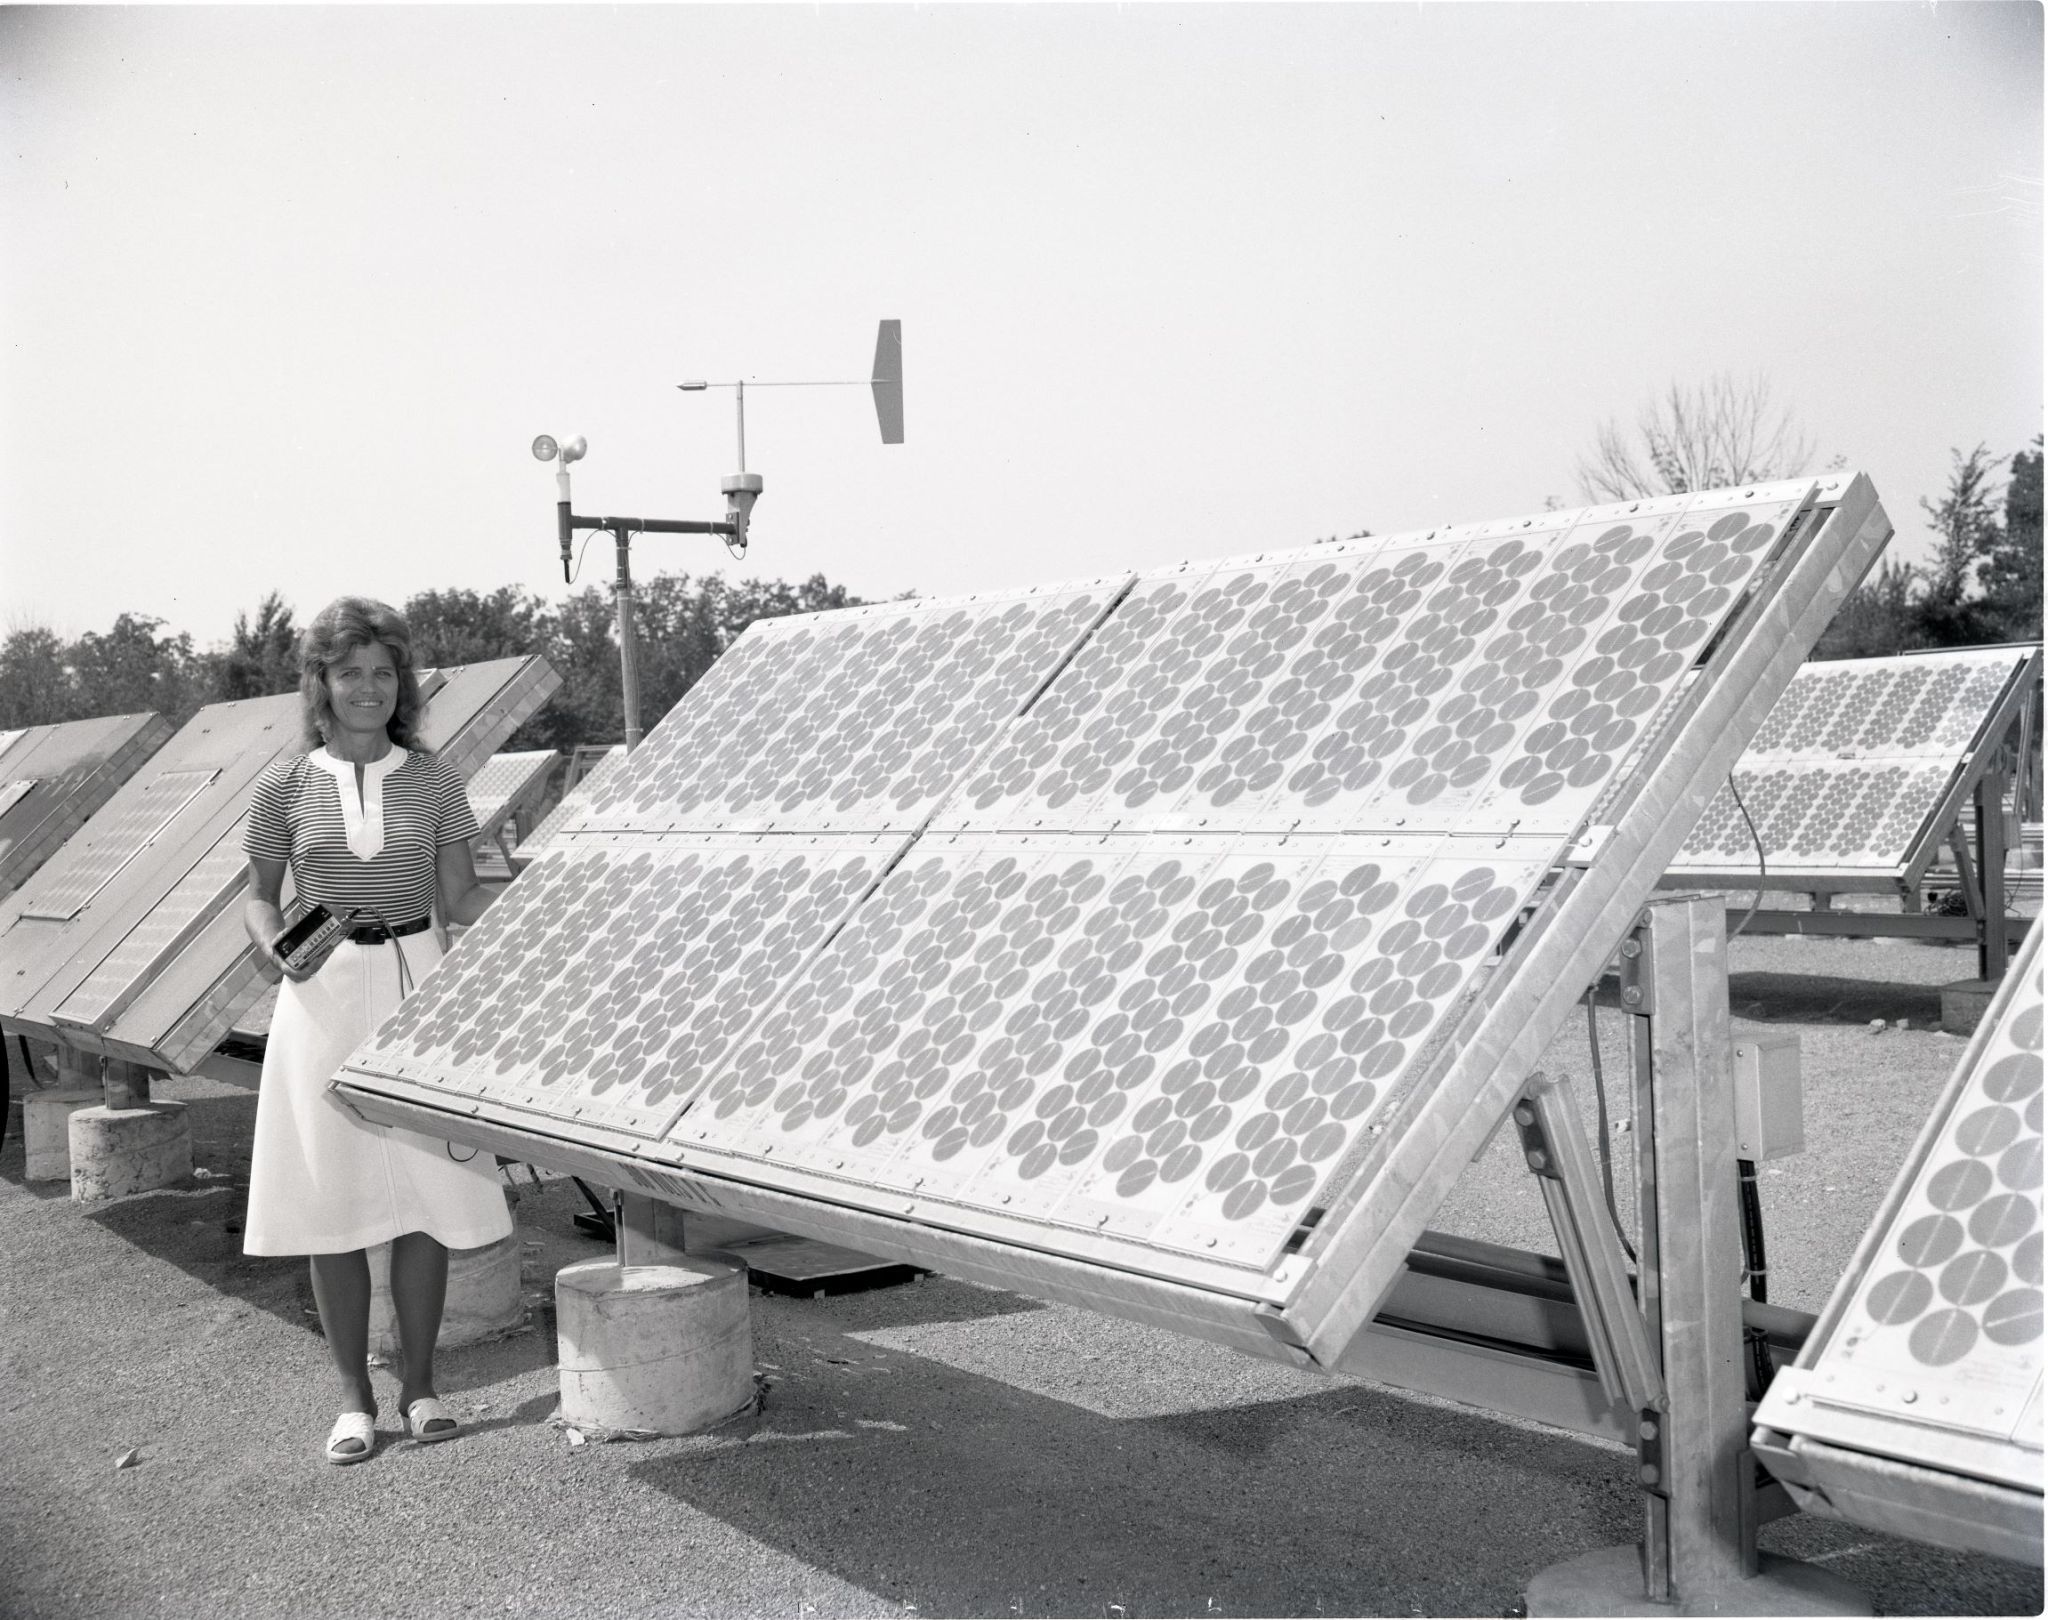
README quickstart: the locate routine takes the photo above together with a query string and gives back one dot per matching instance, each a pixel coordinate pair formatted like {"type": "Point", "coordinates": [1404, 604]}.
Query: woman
{"type": "Point", "coordinates": [369, 823]}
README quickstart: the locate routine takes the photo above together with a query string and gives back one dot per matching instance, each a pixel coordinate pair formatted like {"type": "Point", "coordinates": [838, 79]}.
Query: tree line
{"type": "Point", "coordinates": [682, 623]}
{"type": "Point", "coordinates": [1983, 585]}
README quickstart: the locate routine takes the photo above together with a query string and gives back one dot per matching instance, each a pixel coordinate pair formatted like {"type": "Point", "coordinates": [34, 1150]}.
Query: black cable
{"type": "Point", "coordinates": [1600, 1107]}
{"type": "Point", "coordinates": [1761, 1368]}
{"type": "Point", "coordinates": [1763, 870]}
{"type": "Point", "coordinates": [587, 538]}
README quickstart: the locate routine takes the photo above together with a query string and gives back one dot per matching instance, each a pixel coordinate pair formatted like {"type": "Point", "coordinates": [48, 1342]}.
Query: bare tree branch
{"type": "Point", "coordinates": [1705, 436]}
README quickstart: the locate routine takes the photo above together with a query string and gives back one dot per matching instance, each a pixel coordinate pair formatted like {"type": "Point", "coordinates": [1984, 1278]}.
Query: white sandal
{"type": "Point", "coordinates": [430, 1409]}
{"type": "Point", "coordinates": [360, 1427]}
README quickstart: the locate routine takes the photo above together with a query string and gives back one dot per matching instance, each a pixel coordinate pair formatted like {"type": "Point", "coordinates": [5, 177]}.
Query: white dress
{"type": "Point", "coordinates": [322, 1179]}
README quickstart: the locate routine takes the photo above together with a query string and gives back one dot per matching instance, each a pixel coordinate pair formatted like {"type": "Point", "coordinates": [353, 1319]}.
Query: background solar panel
{"type": "Point", "coordinates": [213, 883]}
{"type": "Point", "coordinates": [1493, 679]}
{"type": "Point", "coordinates": [58, 775]}
{"type": "Point", "coordinates": [572, 803]}
{"type": "Point", "coordinates": [503, 781]}
{"type": "Point", "coordinates": [858, 720]}
{"type": "Point", "coordinates": [1931, 1350]}
{"type": "Point", "coordinates": [128, 829]}
{"type": "Point", "coordinates": [132, 943]}
{"type": "Point", "coordinates": [1854, 764]}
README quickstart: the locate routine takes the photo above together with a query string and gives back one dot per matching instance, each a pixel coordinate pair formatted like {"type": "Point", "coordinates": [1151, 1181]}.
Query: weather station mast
{"type": "Point", "coordinates": [741, 490]}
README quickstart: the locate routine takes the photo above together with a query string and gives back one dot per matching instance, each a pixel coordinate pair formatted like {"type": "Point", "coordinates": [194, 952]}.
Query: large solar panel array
{"type": "Point", "coordinates": [53, 777]}
{"type": "Point", "coordinates": [1164, 970]}
{"type": "Point", "coordinates": [1861, 767]}
{"type": "Point", "coordinates": [130, 942]}
{"type": "Point", "coordinates": [1929, 1354]}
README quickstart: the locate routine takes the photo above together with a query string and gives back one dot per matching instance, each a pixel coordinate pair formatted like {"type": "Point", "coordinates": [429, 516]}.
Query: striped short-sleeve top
{"type": "Point", "coordinates": [372, 852]}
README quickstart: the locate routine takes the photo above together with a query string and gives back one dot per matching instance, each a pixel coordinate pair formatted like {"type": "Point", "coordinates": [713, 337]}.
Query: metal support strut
{"type": "Point", "coordinates": [1698, 1554]}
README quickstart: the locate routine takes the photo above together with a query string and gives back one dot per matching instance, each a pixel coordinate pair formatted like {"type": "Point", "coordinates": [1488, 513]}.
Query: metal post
{"type": "Point", "coordinates": [650, 1232]}
{"type": "Point", "coordinates": [1992, 952]}
{"type": "Point", "coordinates": [1699, 1525]}
{"type": "Point", "coordinates": [125, 1085]}
{"type": "Point", "coordinates": [629, 670]}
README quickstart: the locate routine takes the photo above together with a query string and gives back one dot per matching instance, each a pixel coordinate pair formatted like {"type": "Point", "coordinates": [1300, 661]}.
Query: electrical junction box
{"type": "Point", "coordinates": [1769, 1112]}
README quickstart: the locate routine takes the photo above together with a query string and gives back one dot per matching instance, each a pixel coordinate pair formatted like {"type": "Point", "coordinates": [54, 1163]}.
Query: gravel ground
{"type": "Point", "coordinates": [934, 1448]}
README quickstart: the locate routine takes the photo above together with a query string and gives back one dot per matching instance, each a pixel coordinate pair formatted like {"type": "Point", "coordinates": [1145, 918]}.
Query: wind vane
{"type": "Point", "coordinates": [741, 490]}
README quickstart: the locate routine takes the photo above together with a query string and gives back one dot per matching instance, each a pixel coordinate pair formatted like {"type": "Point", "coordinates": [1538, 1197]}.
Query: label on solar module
{"type": "Point", "coordinates": [1490, 679]}
{"type": "Point", "coordinates": [1170, 1041]}
{"type": "Point", "coordinates": [1942, 1333]}
{"type": "Point", "coordinates": [114, 839]}
{"type": "Point", "coordinates": [607, 984]}
{"type": "Point", "coordinates": [858, 720]}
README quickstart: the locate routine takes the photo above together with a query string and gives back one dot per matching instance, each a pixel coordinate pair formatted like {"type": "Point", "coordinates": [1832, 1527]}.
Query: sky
{"type": "Point", "coordinates": [286, 294]}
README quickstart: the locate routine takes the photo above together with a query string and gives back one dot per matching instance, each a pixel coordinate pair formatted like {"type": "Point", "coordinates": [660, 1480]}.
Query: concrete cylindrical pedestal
{"type": "Point", "coordinates": [46, 1129]}
{"type": "Point", "coordinates": [118, 1151]}
{"type": "Point", "coordinates": [483, 1299]}
{"type": "Point", "coordinates": [660, 1349]}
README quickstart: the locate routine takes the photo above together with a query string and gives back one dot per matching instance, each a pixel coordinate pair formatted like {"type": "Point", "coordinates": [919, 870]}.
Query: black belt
{"type": "Point", "coordinates": [377, 933]}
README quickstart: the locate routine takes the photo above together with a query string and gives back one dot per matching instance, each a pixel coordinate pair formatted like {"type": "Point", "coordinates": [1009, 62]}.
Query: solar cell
{"type": "Point", "coordinates": [1485, 678]}
{"type": "Point", "coordinates": [857, 720]}
{"type": "Point", "coordinates": [1931, 1350]}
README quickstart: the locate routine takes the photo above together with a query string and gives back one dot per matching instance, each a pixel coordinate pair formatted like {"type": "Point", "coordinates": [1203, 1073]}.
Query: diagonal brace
{"type": "Point", "coordinates": [1555, 1148]}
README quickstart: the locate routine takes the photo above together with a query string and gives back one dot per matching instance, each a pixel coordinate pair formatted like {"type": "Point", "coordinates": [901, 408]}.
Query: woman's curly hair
{"type": "Point", "coordinates": [340, 628]}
